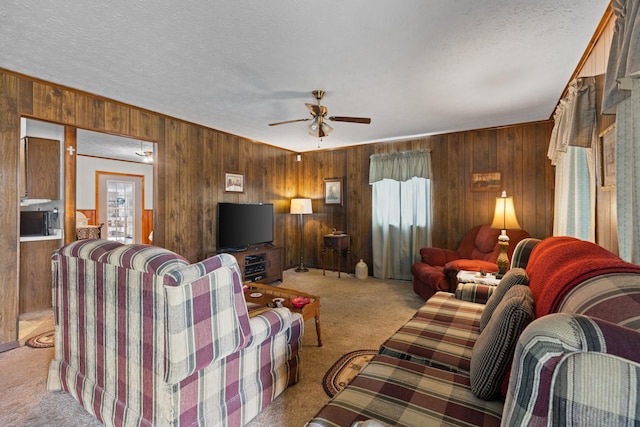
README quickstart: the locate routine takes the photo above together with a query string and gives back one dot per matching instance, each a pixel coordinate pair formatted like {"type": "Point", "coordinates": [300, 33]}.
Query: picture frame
{"type": "Point", "coordinates": [486, 181]}
{"type": "Point", "coordinates": [233, 182]}
{"type": "Point", "coordinates": [333, 191]}
{"type": "Point", "coordinates": [607, 158]}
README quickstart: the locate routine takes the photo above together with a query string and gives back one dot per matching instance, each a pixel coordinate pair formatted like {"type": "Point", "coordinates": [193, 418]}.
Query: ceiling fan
{"type": "Point", "coordinates": [319, 127]}
{"type": "Point", "coordinates": [147, 155]}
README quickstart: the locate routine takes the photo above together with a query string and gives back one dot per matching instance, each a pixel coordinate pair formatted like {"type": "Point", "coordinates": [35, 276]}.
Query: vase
{"type": "Point", "coordinates": [362, 271]}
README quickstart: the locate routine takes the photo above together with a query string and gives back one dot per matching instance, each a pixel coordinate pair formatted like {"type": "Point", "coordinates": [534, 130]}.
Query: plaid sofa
{"type": "Point", "coordinates": [578, 364]}
{"type": "Point", "coordinates": [145, 338]}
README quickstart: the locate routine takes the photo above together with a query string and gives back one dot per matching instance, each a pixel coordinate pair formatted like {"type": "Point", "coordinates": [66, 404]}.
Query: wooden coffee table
{"type": "Point", "coordinates": [270, 292]}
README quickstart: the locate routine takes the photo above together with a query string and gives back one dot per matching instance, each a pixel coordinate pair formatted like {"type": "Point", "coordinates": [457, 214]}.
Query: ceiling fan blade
{"type": "Point", "coordinates": [363, 120]}
{"type": "Point", "coordinates": [288, 121]}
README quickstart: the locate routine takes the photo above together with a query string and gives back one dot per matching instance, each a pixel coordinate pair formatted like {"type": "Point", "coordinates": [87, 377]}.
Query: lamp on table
{"type": "Point", "coordinates": [505, 219]}
{"type": "Point", "coordinates": [301, 207]}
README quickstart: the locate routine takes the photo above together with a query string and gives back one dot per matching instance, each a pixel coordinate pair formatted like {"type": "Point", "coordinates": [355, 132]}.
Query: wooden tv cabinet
{"type": "Point", "coordinates": [261, 264]}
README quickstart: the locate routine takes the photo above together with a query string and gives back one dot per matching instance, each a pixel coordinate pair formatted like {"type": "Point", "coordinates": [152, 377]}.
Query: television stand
{"type": "Point", "coordinates": [233, 250]}
{"type": "Point", "coordinates": [261, 264]}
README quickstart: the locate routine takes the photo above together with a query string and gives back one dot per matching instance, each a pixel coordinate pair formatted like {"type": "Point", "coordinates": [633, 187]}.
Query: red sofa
{"type": "Point", "coordinates": [478, 250]}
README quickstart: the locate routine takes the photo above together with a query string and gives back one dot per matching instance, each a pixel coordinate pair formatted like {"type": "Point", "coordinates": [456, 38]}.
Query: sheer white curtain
{"type": "Point", "coordinates": [401, 211]}
{"type": "Point", "coordinates": [571, 151]}
{"type": "Point", "coordinates": [628, 175]}
{"type": "Point", "coordinates": [622, 97]}
{"type": "Point", "coordinates": [574, 213]}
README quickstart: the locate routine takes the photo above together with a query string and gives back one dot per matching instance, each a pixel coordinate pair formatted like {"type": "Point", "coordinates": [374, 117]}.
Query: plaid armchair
{"type": "Point", "coordinates": [143, 337]}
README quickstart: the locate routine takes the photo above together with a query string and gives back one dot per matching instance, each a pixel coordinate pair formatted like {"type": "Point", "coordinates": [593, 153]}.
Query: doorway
{"type": "Point", "coordinates": [119, 205]}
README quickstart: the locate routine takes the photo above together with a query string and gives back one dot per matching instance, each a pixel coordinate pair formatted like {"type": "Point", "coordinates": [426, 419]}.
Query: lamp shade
{"type": "Point", "coordinates": [504, 217]}
{"type": "Point", "coordinates": [301, 206]}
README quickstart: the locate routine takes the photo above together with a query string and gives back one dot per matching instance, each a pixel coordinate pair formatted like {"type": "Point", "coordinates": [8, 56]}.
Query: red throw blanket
{"type": "Point", "coordinates": [558, 264]}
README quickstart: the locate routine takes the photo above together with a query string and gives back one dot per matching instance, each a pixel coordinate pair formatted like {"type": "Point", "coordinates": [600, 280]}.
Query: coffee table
{"type": "Point", "coordinates": [465, 276]}
{"type": "Point", "coordinates": [268, 293]}
{"type": "Point", "coordinates": [472, 286]}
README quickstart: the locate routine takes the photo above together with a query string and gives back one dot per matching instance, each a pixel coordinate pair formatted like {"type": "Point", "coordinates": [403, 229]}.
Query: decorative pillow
{"type": "Point", "coordinates": [470, 265]}
{"type": "Point", "coordinates": [493, 351]}
{"type": "Point", "coordinates": [515, 276]}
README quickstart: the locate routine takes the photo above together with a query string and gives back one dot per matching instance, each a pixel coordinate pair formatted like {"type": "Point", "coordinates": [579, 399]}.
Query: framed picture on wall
{"type": "Point", "coordinates": [233, 182]}
{"type": "Point", "coordinates": [607, 157]}
{"type": "Point", "coordinates": [486, 181]}
{"type": "Point", "coordinates": [333, 191]}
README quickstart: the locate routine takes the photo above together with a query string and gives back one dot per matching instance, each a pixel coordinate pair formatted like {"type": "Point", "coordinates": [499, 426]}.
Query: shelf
{"type": "Point", "coordinates": [260, 264]}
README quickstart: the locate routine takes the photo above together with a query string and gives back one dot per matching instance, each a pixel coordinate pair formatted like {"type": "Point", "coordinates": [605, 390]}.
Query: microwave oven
{"type": "Point", "coordinates": [35, 223]}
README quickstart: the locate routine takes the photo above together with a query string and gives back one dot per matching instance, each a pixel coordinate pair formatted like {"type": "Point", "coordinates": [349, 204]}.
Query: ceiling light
{"type": "Point", "coordinates": [319, 128]}
{"type": "Point", "coordinates": [147, 155]}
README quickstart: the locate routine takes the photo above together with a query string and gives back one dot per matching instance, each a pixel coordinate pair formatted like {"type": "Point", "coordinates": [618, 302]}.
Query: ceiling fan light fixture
{"type": "Point", "coordinates": [319, 127]}
{"type": "Point", "coordinates": [147, 156]}
{"type": "Point", "coordinates": [314, 128]}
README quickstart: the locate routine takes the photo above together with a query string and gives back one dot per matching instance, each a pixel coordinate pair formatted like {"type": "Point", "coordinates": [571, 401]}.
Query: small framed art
{"type": "Point", "coordinates": [333, 191]}
{"type": "Point", "coordinates": [607, 154]}
{"type": "Point", "coordinates": [233, 182]}
{"type": "Point", "coordinates": [486, 181]}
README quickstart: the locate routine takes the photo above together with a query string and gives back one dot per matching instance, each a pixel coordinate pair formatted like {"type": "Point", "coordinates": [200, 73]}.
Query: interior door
{"type": "Point", "coordinates": [119, 205]}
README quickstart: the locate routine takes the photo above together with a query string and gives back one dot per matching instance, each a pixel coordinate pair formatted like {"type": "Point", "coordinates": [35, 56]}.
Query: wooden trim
{"type": "Point", "coordinates": [70, 168]}
{"type": "Point", "coordinates": [118, 160]}
{"type": "Point", "coordinates": [602, 25]}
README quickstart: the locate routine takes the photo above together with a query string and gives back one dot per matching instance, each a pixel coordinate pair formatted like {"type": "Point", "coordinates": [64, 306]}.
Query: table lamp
{"type": "Point", "coordinates": [301, 207]}
{"type": "Point", "coordinates": [505, 219]}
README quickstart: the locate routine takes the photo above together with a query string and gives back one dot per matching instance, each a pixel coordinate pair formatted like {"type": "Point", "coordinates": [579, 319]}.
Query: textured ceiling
{"type": "Point", "coordinates": [416, 67]}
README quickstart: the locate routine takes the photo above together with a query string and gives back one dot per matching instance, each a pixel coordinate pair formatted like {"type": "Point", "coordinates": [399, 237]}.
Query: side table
{"type": "Point", "coordinates": [335, 243]}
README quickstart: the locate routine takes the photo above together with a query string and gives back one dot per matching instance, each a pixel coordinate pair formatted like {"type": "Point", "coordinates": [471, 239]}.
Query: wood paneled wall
{"type": "Point", "coordinates": [188, 177]}
{"type": "Point", "coordinates": [192, 160]}
{"type": "Point", "coordinates": [188, 174]}
{"type": "Point", "coordinates": [190, 167]}
{"type": "Point", "coordinates": [519, 152]}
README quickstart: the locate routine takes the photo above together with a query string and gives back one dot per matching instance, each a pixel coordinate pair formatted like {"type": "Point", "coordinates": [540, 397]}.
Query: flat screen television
{"type": "Point", "coordinates": [241, 225]}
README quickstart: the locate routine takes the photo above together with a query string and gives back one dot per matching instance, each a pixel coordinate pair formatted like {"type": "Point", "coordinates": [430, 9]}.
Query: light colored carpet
{"type": "Point", "coordinates": [355, 314]}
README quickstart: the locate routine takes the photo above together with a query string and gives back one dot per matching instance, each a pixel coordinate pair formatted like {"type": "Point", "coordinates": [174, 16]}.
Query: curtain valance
{"type": "Point", "coordinates": [574, 118]}
{"type": "Point", "coordinates": [400, 166]}
{"type": "Point", "coordinates": [624, 57]}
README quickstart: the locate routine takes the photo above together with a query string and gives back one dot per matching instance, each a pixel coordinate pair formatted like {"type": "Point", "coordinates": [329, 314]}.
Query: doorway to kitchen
{"type": "Point", "coordinates": [119, 205]}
